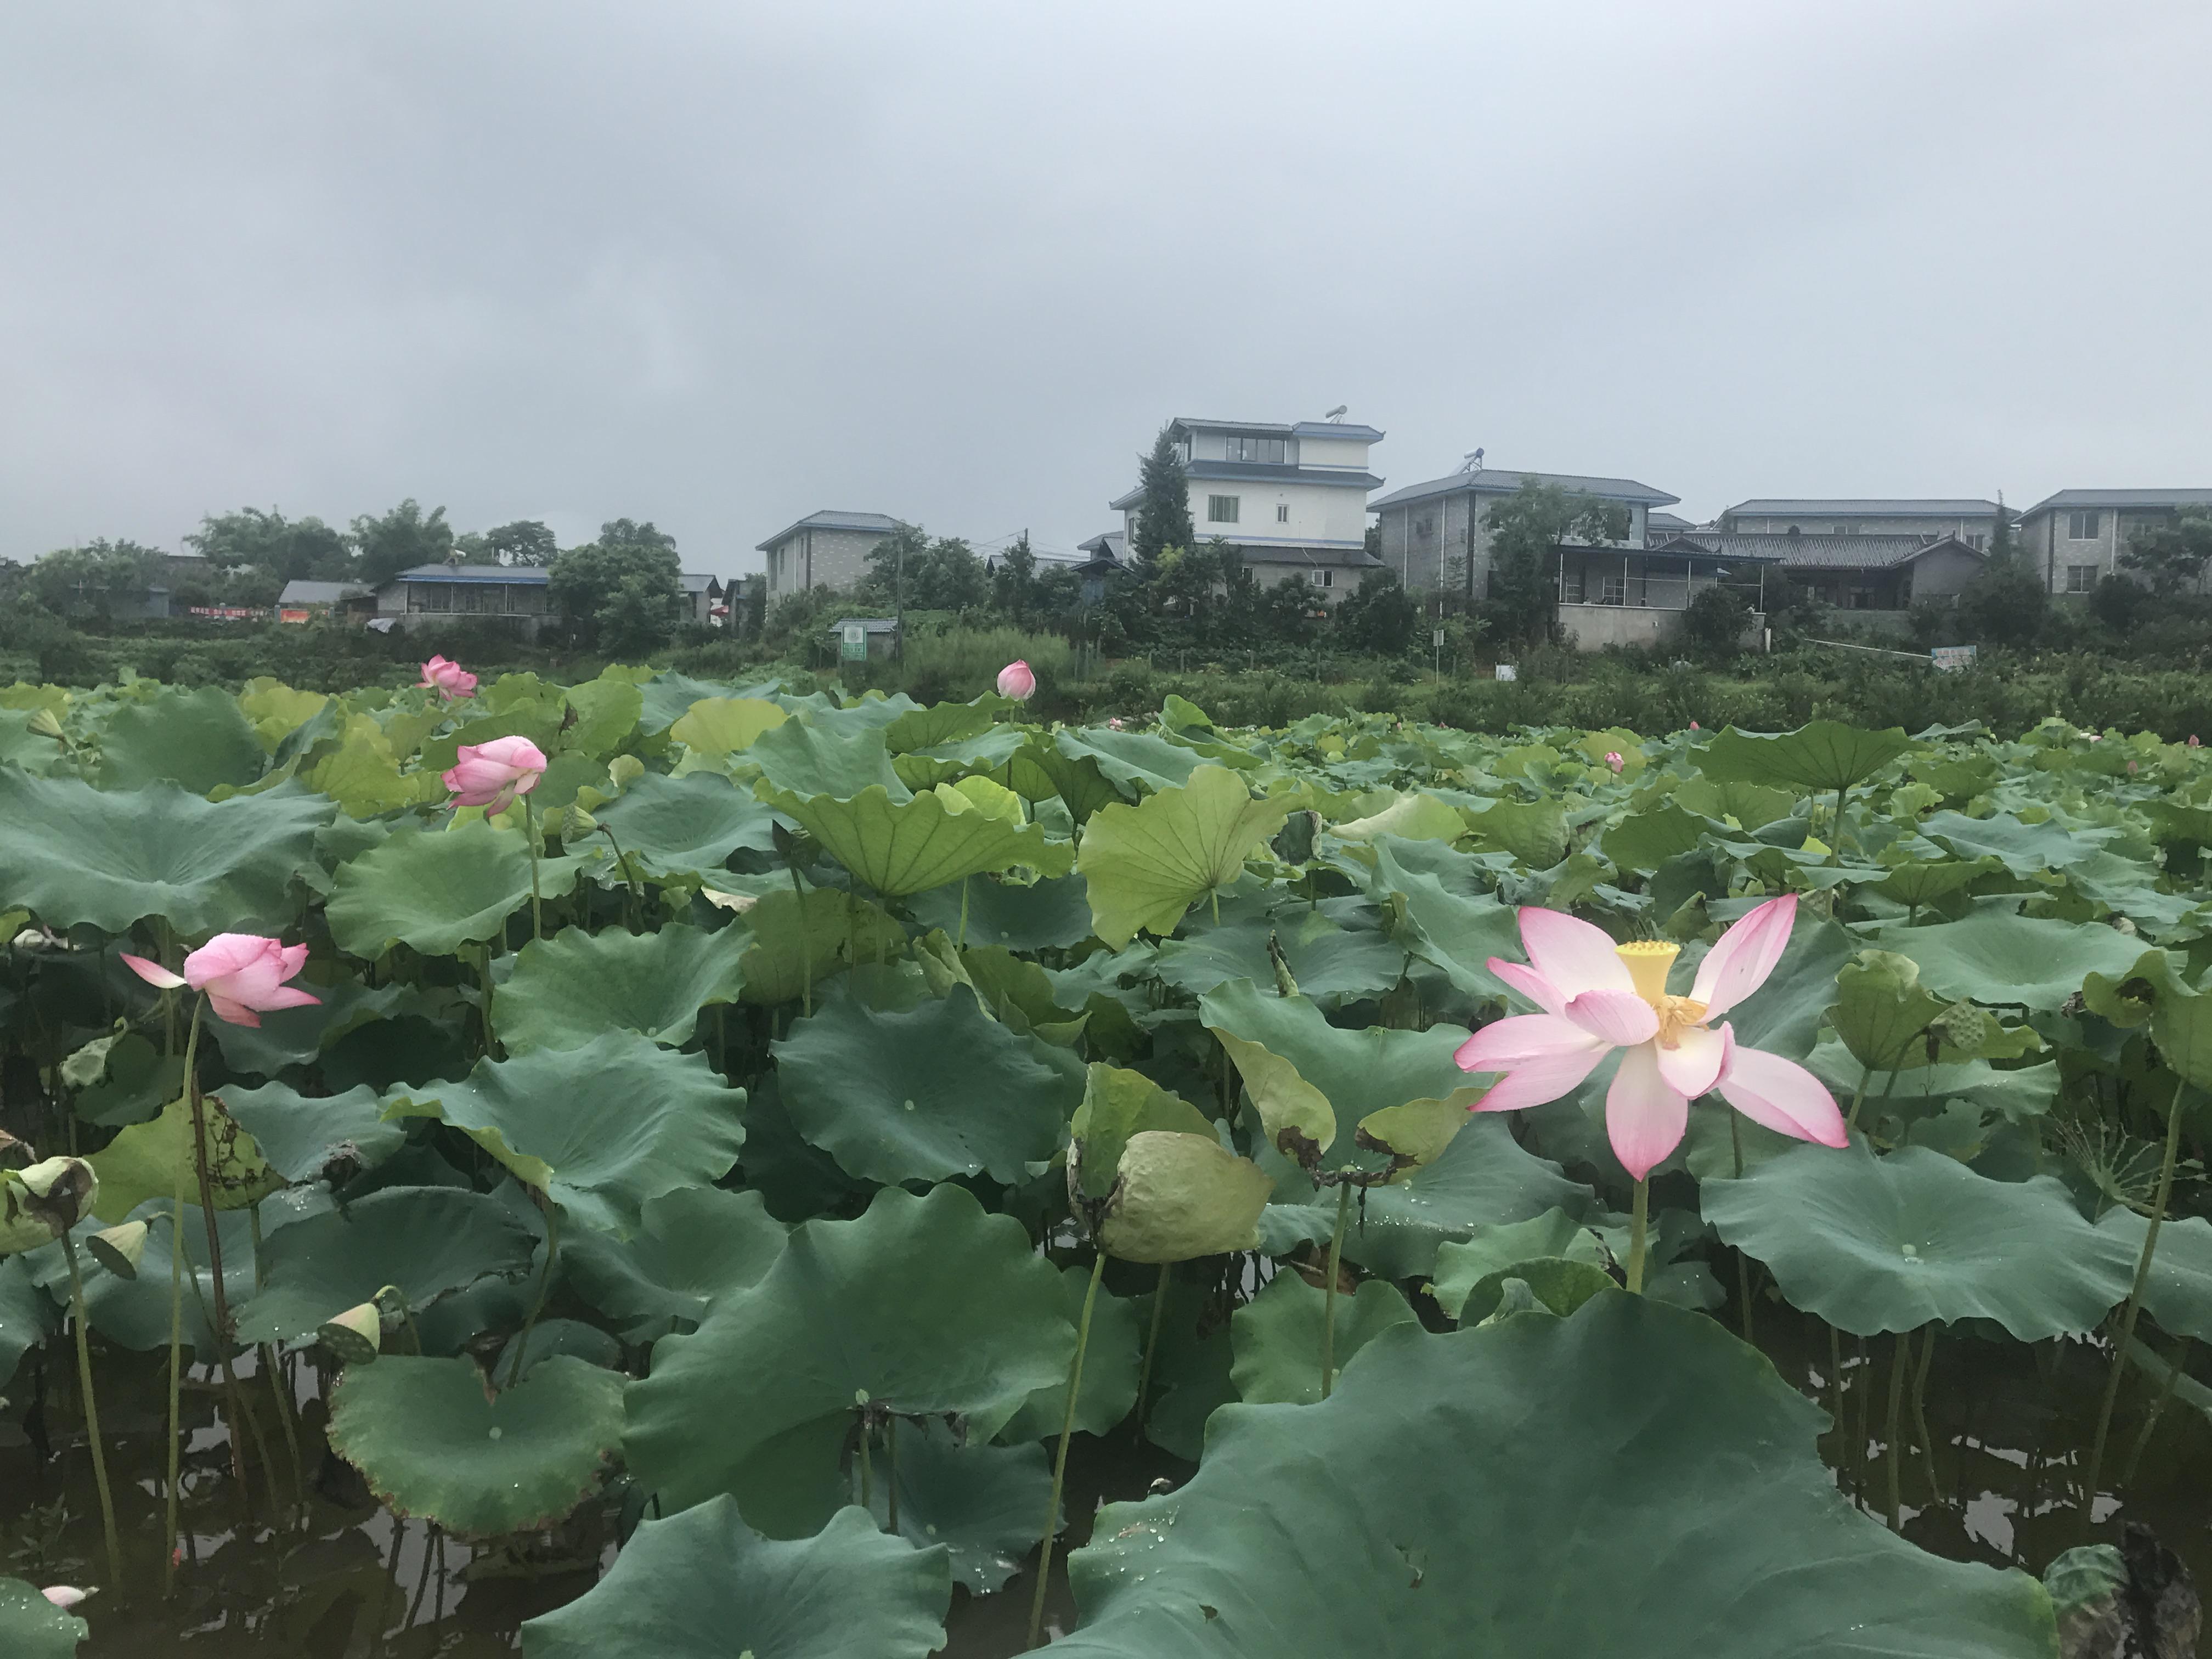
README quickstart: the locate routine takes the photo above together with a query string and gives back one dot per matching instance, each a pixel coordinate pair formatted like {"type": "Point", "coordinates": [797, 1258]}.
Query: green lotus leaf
{"type": "Point", "coordinates": [1533, 832]}
{"type": "Point", "coordinates": [1917, 882]}
{"type": "Point", "coordinates": [1413, 1133]}
{"type": "Point", "coordinates": [2180, 1019]}
{"type": "Point", "coordinates": [2024, 849]}
{"type": "Point", "coordinates": [1014, 990]}
{"type": "Point", "coordinates": [1146, 864]}
{"type": "Point", "coordinates": [434, 1442]}
{"type": "Point", "coordinates": [155, 1159]}
{"type": "Point", "coordinates": [601, 1129]}
{"type": "Point", "coordinates": [899, 846]}
{"type": "Point", "coordinates": [2179, 1293]}
{"type": "Point", "coordinates": [1547, 1285]}
{"type": "Point", "coordinates": [1488, 1250]}
{"type": "Point", "coordinates": [1044, 769]}
{"type": "Point", "coordinates": [533, 710]}
{"type": "Point", "coordinates": [134, 1314]}
{"type": "Point", "coordinates": [1892, 1243]}
{"type": "Point", "coordinates": [436, 890]}
{"type": "Point", "coordinates": [687, 825]}
{"type": "Point", "coordinates": [802, 942]}
{"type": "Point", "coordinates": [197, 738]}
{"type": "Point", "coordinates": [1134, 762]}
{"type": "Point", "coordinates": [1644, 840]}
{"type": "Point", "coordinates": [2020, 1092]}
{"type": "Point", "coordinates": [605, 711]}
{"type": "Point", "coordinates": [32, 1627]}
{"type": "Point", "coordinates": [669, 695]}
{"type": "Point", "coordinates": [1442, 920]}
{"type": "Point", "coordinates": [1180, 1197]}
{"type": "Point", "coordinates": [693, 1244]}
{"type": "Point", "coordinates": [1330, 961]}
{"type": "Point", "coordinates": [300, 1136]}
{"type": "Point", "coordinates": [988, 751]}
{"type": "Point", "coordinates": [135, 1080]}
{"type": "Point", "coordinates": [1110, 1362]}
{"type": "Point", "coordinates": [277, 710]}
{"type": "Point", "coordinates": [718, 726]}
{"type": "Point", "coordinates": [1998, 957]}
{"type": "Point", "coordinates": [1748, 805]}
{"type": "Point", "coordinates": [921, 1093]}
{"type": "Point", "coordinates": [1276, 1336]}
{"type": "Point", "coordinates": [1882, 1014]}
{"type": "Point", "coordinates": [28, 1316]}
{"type": "Point", "coordinates": [923, 1305]}
{"type": "Point", "coordinates": [1048, 914]}
{"type": "Point", "coordinates": [1117, 1104]}
{"type": "Point", "coordinates": [1415, 816]}
{"type": "Point", "coordinates": [1722, 1538]}
{"type": "Point", "coordinates": [1822, 755]}
{"type": "Point", "coordinates": [567, 989]}
{"type": "Point", "coordinates": [295, 1036]}
{"type": "Point", "coordinates": [429, 1242]}
{"type": "Point", "coordinates": [1190, 1372]}
{"type": "Point", "coordinates": [942, 723]}
{"type": "Point", "coordinates": [363, 773]}
{"type": "Point", "coordinates": [704, 1585]}
{"type": "Point", "coordinates": [821, 757]}
{"type": "Point", "coordinates": [980, 1501]}
{"type": "Point", "coordinates": [72, 853]}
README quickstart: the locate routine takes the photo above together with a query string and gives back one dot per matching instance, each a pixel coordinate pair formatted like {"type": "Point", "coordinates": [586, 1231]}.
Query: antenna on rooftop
{"type": "Point", "coordinates": [1336, 414]}
{"type": "Point", "coordinates": [1471, 462]}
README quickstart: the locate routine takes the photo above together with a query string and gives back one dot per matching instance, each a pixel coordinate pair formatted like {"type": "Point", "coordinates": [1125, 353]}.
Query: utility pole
{"type": "Point", "coordinates": [898, 600]}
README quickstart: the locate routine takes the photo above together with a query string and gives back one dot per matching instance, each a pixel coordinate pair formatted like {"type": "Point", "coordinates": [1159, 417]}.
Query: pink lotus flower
{"type": "Point", "coordinates": [450, 679]}
{"type": "Point", "coordinates": [243, 975]}
{"type": "Point", "coordinates": [63, 1595]}
{"type": "Point", "coordinates": [1114, 725]}
{"type": "Point", "coordinates": [2132, 769]}
{"type": "Point", "coordinates": [1613, 759]}
{"type": "Point", "coordinates": [491, 774]}
{"type": "Point", "coordinates": [1598, 996]}
{"type": "Point", "coordinates": [1694, 726]}
{"type": "Point", "coordinates": [1016, 681]}
{"type": "Point", "coordinates": [2193, 744]}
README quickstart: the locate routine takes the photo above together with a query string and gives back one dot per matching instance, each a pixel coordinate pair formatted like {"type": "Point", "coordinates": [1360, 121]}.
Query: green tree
{"type": "Point", "coordinates": [102, 578]}
{"type": "Point", "coordinates": [398, 540]}
{"type": "Point", "coordinates": [911, 570]}
{"type": "Point", "coordinates": [2005, 602]}
{"type": "Point", "coordinates": [1015, 587]}
{"type": "Point", "coordinates": [2171, 556]}
{"type": "Point", "coordinates": [623, 593]}
{"type": "Point", "coordinates": [1525, 530]}
{"type": "Point", "coordinates": [1164, 515]}
{"type": "Point", "coordinates": [525, 542]}
{"type": "Point", "coordinates": [1379, 615]}
{"type": "Point", "coordinates": [1713, 622]}
{"type": "Point", "coordinates": [290, 550]}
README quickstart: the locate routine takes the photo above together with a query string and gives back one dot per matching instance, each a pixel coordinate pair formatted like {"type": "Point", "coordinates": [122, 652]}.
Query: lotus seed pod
{"type": "Point", "coordinates": [60, 1192]}
{"type": "Point", "coordinates": [356, 1335]}
{"type": "Point", "coordinates": [119, 1248]}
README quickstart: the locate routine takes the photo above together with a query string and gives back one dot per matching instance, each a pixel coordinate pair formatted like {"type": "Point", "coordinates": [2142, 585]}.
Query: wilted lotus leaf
{"type": "Point", "coordinates": [154, 1159]}
{"type": "Point", "coordinates": [1148, 864]}
{"type": "Point", "coordinates": [434, 1441]}
{"type": "Point", "coordinates": [1116, 1105]}
{"type": "Point", "coordinates": [38, 1205]}
{"type": "Point", "coordinates": [1177, 1196]}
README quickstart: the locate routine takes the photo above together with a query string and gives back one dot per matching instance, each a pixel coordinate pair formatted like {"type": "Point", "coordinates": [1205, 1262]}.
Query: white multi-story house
{"type": "Point", "coordinates": [1291, 498]}
{"type": "Point", "coordinates": [1972, 521]}
{"type": "Point", "coordinates": [2078, 535]}
{"type": "Point", "coordinates": [827, 549]}
{"type": "Point", "coordinates": [1437, 535]}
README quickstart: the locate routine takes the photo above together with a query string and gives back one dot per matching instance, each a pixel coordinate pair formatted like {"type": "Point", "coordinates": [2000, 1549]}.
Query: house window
{"type": "Point", "coordinates": [1425, 529]}
{"type": "Point", "coordinates": [1321, 577]}
{"type": "Point", "coordinates": [2084, 526]}
{"type": "Point", "coordinates": [1271, 451]}
{"type": "Point", "coordinates": [1570, 586]}
{"type": "Point", "coordinates": [1221, 510]}
{"type": "Point", "coordinates": [2081, 578]}
{"type": "Point", "coordinates": [1614, 590]}
{"type": "Point", "coordinates": [1282, 512]}
{"type": "Point", "coordinates": [1976, 539]}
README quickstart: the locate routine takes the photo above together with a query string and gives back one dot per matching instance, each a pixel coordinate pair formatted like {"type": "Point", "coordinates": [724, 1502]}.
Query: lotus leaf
{"type": "Point", "coordinates": [27, 1316]}
{"type": "Point", "coordinates": [436, 890]}
{"type": "Point", "coordinates": [799, 943]}
{"type": "Point", "coordinates": [32, 1627]}
{"type": "Point", "coordinates": [1457, 930]}
{"type": "Point", "coordinates": [1178, 1196]}
{"type": "Point", "coordinates": [1486, 1250]}
{"type": "Point", "coordinates": [980, 1501]}
{"type": "Point", "coordinates": [1276, 1337]}
{"type": "Point", "coordinates": [1047, 915]}
{"type": "Point", "coordinates": [2025, 849]}
{"type": "Point", "coordinates": [567, 989]}
{"type": "Point", "coordinates": [2179, 1293]}
{"type": "Point", "coordinates": [1331, 963]}
{"type": "Point", "coordinates": [1997, 958]}
{"type": "Point", "coordinates": [704, 1585]}
{"type": "Point", "coordinates": [605, 712]}
{"type": "Point", "coordinates": [301, 1137]}
{"type": "Point", "coordinates": [1822, 755]}
{"type": "Point", "coordinates": [1415, 816]}
{"type": "Point", "coordinates": [817, 757]}
{"type": "Point", "coordinates": [695, 1244]}
{"type": "Point", "coordinates": [198, 739]}
{"type": "Point", "coordinates": [154, 1159]}
{"type": "Point", "coordinates": [1110, 1362]}
{"type": "Point", "coordinates": [910, 843]}
{"type": "Point", "coordinates": [1146, 864]}
{"type": "Point", "coordinates": [2180, 1019]}
{"type": "Point", "coordinates": [1116, 1105]}
{"type": "Point", "coordinates": [686, 825]}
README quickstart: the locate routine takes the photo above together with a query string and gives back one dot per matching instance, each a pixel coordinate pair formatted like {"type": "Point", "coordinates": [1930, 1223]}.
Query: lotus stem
{"type": "Point", "coordinates": [530, 835]}
{"type": "Point", "coordinates": [1066, 1434]}
{"type": "Point", "coordinates": [961, 941]}
{"type": "Point", "coordinates": [891, 1474]}
{"type": "Point", "coordinates": [2134, 1306]}
{"type": "Point", "coordinates": [176, 1353]}
{"type": "Point", "coordinates": [1900, 1357]}
{"type": "Point", "coordinates": [274, 1370]}
{"type": "Point", "coordinates": [1742, 1261]}
{"type": "Point", "coordinates": [1639, 1219]}
{"type": "Point", "coordinates": [538, 1302]}
{"type": "Point", "coordinates": [1329, 1289]}
{"type": "Point", "coordinates": [233, 1405]}
{"type": "Point", "coordinates": [91, 1411]}
{"type": "Point", "coordinates": [1151, 1344]}
{"type": "Point", "coordinates": [805, 946]}
{"type": "Point", "coordinates": [1865, 1427]}
{"type": "Point", "coordinates": [633, 888]}
{"type": "Point", "coordinates": [867, 1466]}
{"type": "Point", "coordinates": [2177, 1366]}
{"type": "Point", "coordinates": [1920, 1413]}
{"type": "Point", "coordinates": [1836, 1388]}
{"type": "Point", "coordinates": [1851, 1117]}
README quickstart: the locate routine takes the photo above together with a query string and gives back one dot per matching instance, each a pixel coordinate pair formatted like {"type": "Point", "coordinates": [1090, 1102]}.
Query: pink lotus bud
{"type": "Point", "coordinates": [1694, 726]}
{"type": "Point", "coordinates": [2193, 744]}
{"type": "Point", "coordinates": [1613, 759]}
{"type": "Point", "coordinates": [491, 774]}
{"type": "Point", "coordinates": [1016, 681]}
{"type": "Point", "coordinates": [450, 679]}
{"type": "Point", "coordinates": [242, 974]}
{"type": "Point", "coordinates": [63, 1595]}
{"type": "Point", "coordinates": [2132, 769]}
{"type": "Point", "coordinates": [1114, 725]}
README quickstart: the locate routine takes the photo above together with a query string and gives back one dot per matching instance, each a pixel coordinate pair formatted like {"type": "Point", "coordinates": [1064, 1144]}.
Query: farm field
{"type": "Point", "coordinates": [652, 1166]}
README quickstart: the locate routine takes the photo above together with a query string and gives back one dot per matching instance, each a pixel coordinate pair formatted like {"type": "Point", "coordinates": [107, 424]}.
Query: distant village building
{"type": "Point", "coordinates": [1971, 521]}
{"type": "Point", "coordinates": [829, 549]}
{"type": "Point", "coordinates": [1437, 535]}
{"type": "Point", "coordinates": [512, 595]}
{"type": "Point", "coordinates": [1856, 571]}
{"type": "Point", "coordinates": [2076, 537]}
{"type": "Point", "coordinates": [303, 601]}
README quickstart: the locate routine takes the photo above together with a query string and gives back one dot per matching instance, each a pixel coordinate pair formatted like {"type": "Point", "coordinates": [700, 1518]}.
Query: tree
{"type": "Point", "coordinates": [623, 593]}
{"type": "Point", "coordinates": [2171, 556]}
{"type": "Point", "coordinates": [1525, 530]}
{"type": "Point", "coordinates": [910, 569]}
{"type": "Point", "coordinates": [399, 540]}
{"type": "Point", "coordinates": [1017, 579]}
{"type": "Point", "coordinates": [525, 542]}
{"type": "Point", "coordinates": [2005, 602]}
{"type": "Point", "coordinates": [1164, 515]}
{"type": "Point", "coordinates": [102, 578]}
{"type": "Point", "coordinates": [290, 550]}
{"type": "Point", "coordinates": [1713, 621]}
{"type": "Point", "coordinates": [1379, 615]}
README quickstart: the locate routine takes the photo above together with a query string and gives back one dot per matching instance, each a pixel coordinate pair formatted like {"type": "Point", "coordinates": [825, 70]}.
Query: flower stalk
{"type": "Point", "coordinates": [1066, 1434]}
{"type": "Point", "coordinates": [92, 1409]}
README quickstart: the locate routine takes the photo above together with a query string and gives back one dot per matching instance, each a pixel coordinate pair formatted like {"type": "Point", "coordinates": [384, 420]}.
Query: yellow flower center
{"type": "Point", "coordinates": [1648, 961]}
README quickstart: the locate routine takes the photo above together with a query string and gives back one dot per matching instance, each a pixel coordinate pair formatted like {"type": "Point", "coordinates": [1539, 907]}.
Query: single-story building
{"type": "Point", "coordinates": [437, 593]}
{"type": "Point", "coordinates": [702, 596]}
{"type": "Point", "coordinates": [1635, 595]}
{"type": "Point", "coordinates": [300, 601]}
{"type": "Point", "coordinates": [855, 637]}
{"type": "Point", "coordinates": [1853, 571]}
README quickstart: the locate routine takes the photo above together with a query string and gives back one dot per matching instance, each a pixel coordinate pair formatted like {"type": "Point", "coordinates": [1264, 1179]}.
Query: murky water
{"type": "Point", "coordinates": [304, 1564]}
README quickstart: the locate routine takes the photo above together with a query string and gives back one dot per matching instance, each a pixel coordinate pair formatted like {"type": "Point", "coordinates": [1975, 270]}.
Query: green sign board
{"type": "Point", "coordinates": [855, 643]}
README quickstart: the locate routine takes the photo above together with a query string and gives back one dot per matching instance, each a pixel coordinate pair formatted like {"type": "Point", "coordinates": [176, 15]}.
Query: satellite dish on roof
{"type": "Point", "coordinates": [1336, 414]}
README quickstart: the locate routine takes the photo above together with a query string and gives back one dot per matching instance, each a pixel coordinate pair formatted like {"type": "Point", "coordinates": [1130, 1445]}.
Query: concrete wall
{"type": "Point", "coordinates": [1318, 513]}
{"type": "Point", "coordinates": [2047, 541]}
{"type": "Point", "coordinates": [1341, 580]}
{"type": "Point", "coordinates": [1332, 452]}
{"type": "Point", "coordinates": [1594, 627]}
{"type": "Point", "coordinates": [1972, 529]}
{"type": "Point", "coordinates": [1942, 573]}
{"type": "Point", "coordinates": [1429, 543]}
{"type": "Point", "coordinates": [811, 556]}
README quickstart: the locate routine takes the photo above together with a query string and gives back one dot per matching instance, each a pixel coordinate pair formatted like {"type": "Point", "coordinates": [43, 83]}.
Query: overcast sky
{"type": "Point", "coordinates": [720, 264]}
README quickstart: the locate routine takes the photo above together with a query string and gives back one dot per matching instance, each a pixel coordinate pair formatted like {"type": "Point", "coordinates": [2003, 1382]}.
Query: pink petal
{"type": "Point", "coordinates": [1530, 984]}
{"type": "Point", "coordinates": [152, 972]}
{"type": "Point", "coordinates": [286, 996]}
{"type": "Point", "coordinates": [1643, 1118]}
{"type": "Point", "coordinates": [1697, 1059]}
{"type": "Point", "coordinates": [1506, 1043]}
{"type": "Point", "coordinates": [1745, 955]}
{"type": "Point", "coordinates": [1572, 954]}
{"type": "Point", "coordinates": [1535, 1081]}
{"type": "Point", "coordinates": [226, 954]}
{"type": "Point", "coordinates": [291, 959]}
{"type": "Point", "coordinates": [230, 1010]}
{"type": "Point", "coordinates": [1783, 1096]}
{"type": "Point", "coordinates": [63, 1595]}
{"type": "Point", "coordinates": [1620, 1017]}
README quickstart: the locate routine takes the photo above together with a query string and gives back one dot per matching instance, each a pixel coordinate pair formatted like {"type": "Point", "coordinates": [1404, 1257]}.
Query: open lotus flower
{"type": "Point", "coordinates": [1017, 681]}
{"type": "Point", "coordinates": [1613, 759]}
{"type": "Point", "coordinates": [1598, 996]}
{"type": "Point", "coordinates": [491, 774]}
{"type": "Point", "coordinates": [449, 679]}
{"type": "Point", "coordinates": [243, 975]}
{"type": "Point", "coordinates": [63, 1595]}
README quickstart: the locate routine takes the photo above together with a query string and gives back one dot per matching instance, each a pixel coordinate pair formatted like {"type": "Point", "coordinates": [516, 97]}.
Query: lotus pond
{"type": "Point", "coordinates": [649, 1167]}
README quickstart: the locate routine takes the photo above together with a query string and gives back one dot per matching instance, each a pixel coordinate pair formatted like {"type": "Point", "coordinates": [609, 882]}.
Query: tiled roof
{"type": "Point", "coordinates": [1822, 552]}
{"type": "Point", "coordinates": [2126, 498]}
{"type": "Point", "coordinates": [1868, 508]}
{"type": "Point", "coordinates": [874, 625]}
{"type": "Point", "coordinates": [311, 593]}
{"type": "Point", "coordinates": [830, 519]}
{"type": "Point", "coordinates": [1294, 429]}
{"type": "Point", "coordinates": [1497, 481]}
{"type": "Point", "coordinates": [515, 576]}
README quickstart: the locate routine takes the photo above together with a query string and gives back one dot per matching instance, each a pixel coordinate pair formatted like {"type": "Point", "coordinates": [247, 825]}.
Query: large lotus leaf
{"type": "Point", "coordinates": [28, 1316]}
{"type": "Point", "coordinates": [694, 1244]}
{"type": "Point", "coordinates": [32, 1627]}
{"type": "Point", "coordinates": [1722, 1537]}
{"type": "Point", "coordinates": [799, 943]}
{"type": "Point", "coordinates": [154, 1159]}
{"type": "Point", "coordinates": [1330, 963]}
{"type": "Point", "coordinates": [362, 772]}
{"type": "Point", "coordinates": [986, 752]}
{"type": "Point", "coordinates": [944, 722]}
{"type": "Point", "coordinates": [196, 739]}
{"type": "Point", "coordinates": [1890, 1023]}
{"type": "Point", "coordinates": [567, 989]}
{"type": "Point", "coordinates": [1190, 1371]}
{"type": "Point", "coordinates": [2179, 1293]}
{"type": "Point", "coordinates": [1116, 1104]}
{"type": "Point", "coordinates": [301, 1135]}
{"type": "Point", "coordinates": [921, 1093]}
{"type": "Point", "coordinates": [2019, 1092]}
{"type": "Point", "coordinates": [909, 844]}
{"type": "Point", "coordinates": [427, 1241]}
{"type": "Point", "coordinates": [1145, 865]}
{"type": "Point", "coordinates": [604, 711]}
{"type": "Point", "coordinates": [134, 1314]}
{"type": "Point", "coordinates": [72, 853]}
{"type": "Point", "coordinates": [687, 825]}
{"type": "Point", "coordinates": [276, 710]}
{"type": "Point", "coordinates": [981, 1502]}
{"type": "Point", "coordinates": [2180, 1019]}
{"type": "Point", "coordinates": [601, 1129]}
{"type": "Point", "coordinates": [1483, 1177]}
{"type": "Point", "coordinates": [1136, 763]}
{"type": "Point", "coordinates": [2025, 849]}
{"type": "Point", "coordinates": [704, 1585]}
{"type": "Point", "coordinates": [294, 1036]}
{"type": "Point", "coordinates": [435, 1443]}
{"type": "Point", "coordinates": [1177, 1197]}
{"type": "Point", "coordinates": [437, 891]}
{"type": "Point", "coordinates": [1873, 1244]}
{"type": "Point", "coordinates": [923, 1305]}
{"type": "Point", "coordinates": [1456, 929]}
{"type": "Point", "coordinates": [718, 726]}
{"type": "Point", "coordinates": [1822, 755]}
{"type": "Point", "coordinates": [1917, 882]}
{"type": "Point", "coordinates": [1047, 915]}
{"type": "Point", "coordinates": [1041, 771]}
{"type": "Point", "coordinates": [1415, 817]}
{"type": "Point", "coordinates": [1276, 1336]}
{"type": "Point", "coordinates": [1486, 1250]}
{"type": "Point", "coordinates": [1994, 955]}
{"type": "Point", "coordinates": [1533, 832]}
{"type": "Point", "coordinates": [840, 760]}
{"type": "Point", "coordinates": [669, 695]}
{"type": "Point", "coordinates": [1644, 840]}
{"type": "Point", "coordinates": [1110, 1362]}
